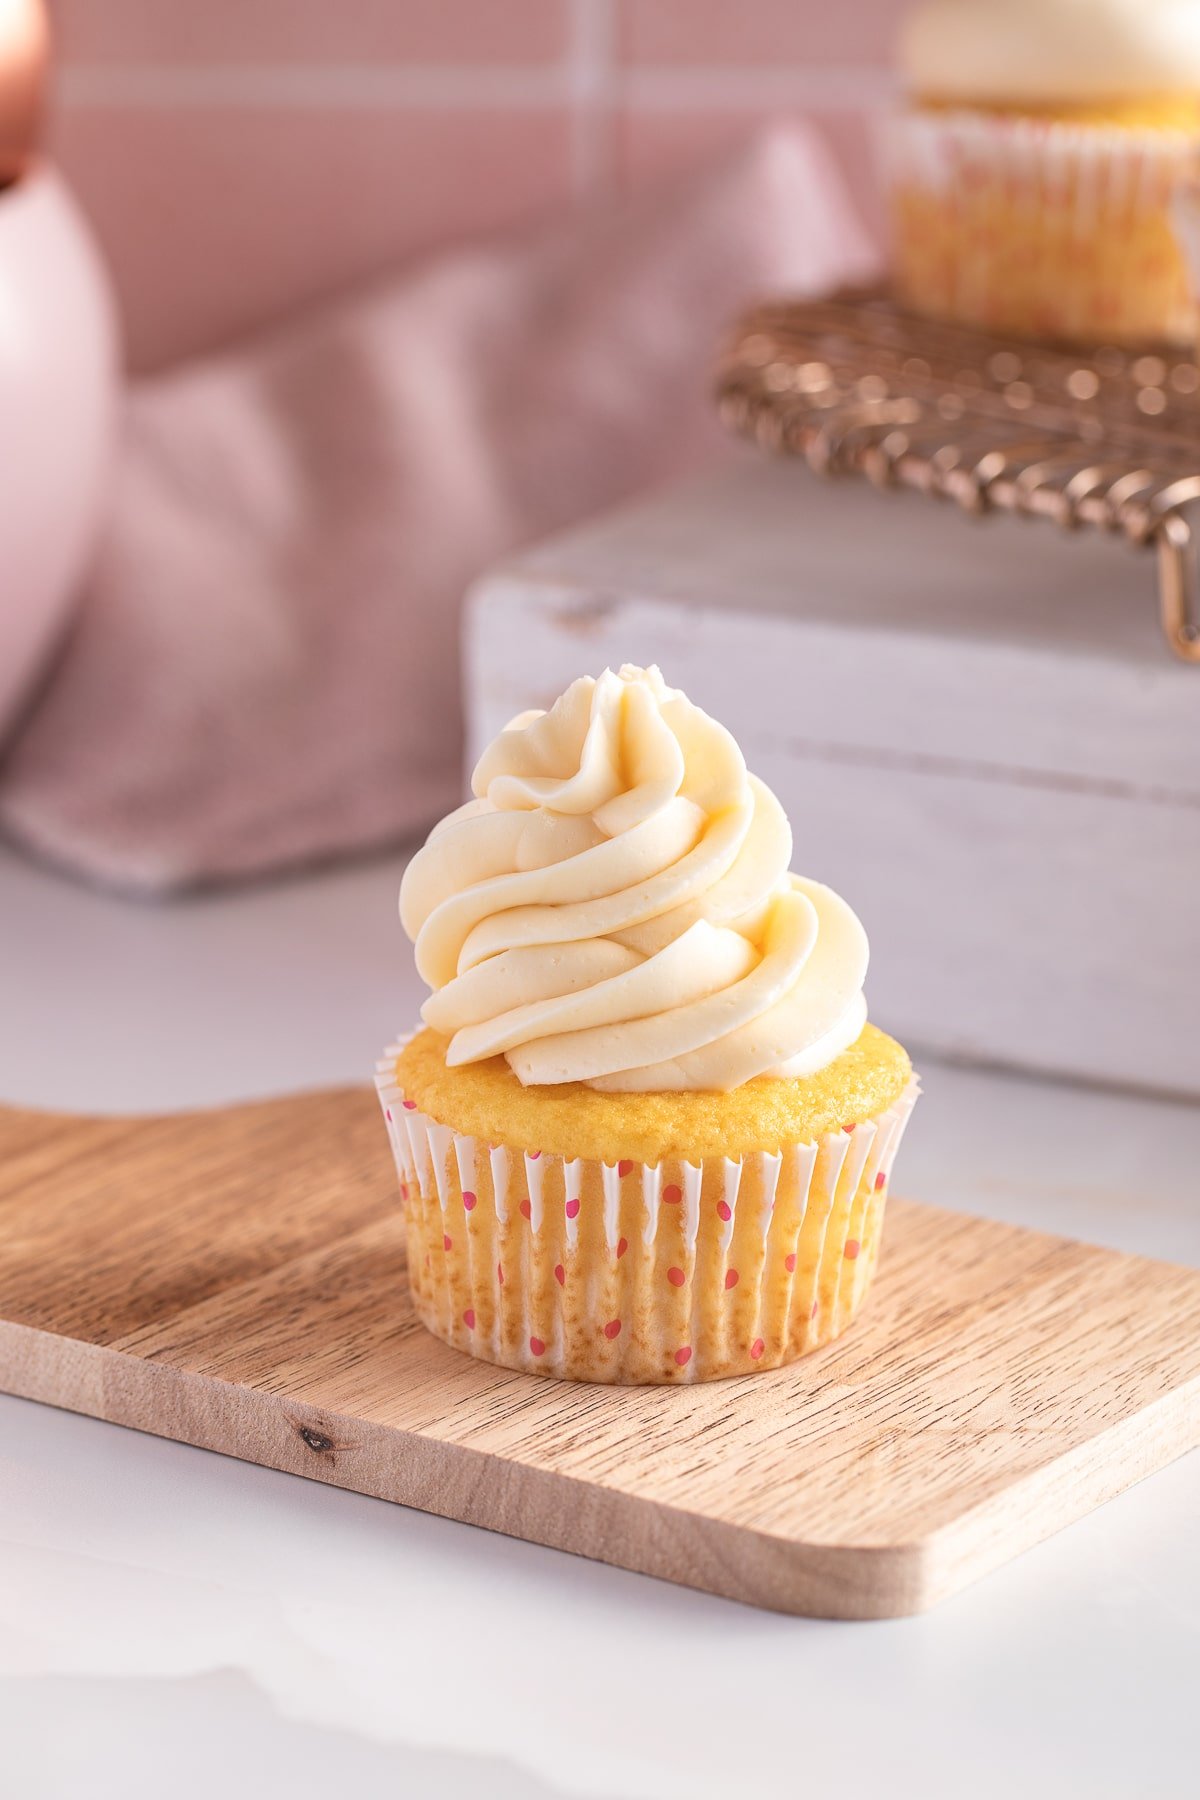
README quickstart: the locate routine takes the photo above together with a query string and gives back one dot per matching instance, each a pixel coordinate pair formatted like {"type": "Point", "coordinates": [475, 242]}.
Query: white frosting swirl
{"type": "Point", "coordinates": [1042, 51]}
{"type": "Point", "coordinates": [615, 907]}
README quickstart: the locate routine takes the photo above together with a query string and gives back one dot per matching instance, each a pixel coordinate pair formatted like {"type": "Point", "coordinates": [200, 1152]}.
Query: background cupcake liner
{"type": "Point", "coordinates": [1041, 226]}
{"type": "Point", "coordinates": [625, 1272]}
{"type": "Point", "coordinates": [1185, 218]}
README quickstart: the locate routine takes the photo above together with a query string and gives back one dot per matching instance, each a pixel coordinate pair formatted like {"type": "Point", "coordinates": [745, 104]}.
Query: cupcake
{"type": "Point", "coordinates": [646, 1132]}
{"type": "Point", "coordinates": [1033, 172]}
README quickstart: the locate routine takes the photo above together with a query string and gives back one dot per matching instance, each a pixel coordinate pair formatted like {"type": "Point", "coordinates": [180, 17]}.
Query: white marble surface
{"type": "Point", "coordinates": [174, 1623]}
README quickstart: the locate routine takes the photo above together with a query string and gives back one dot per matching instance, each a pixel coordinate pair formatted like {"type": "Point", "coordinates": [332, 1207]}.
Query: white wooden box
{"type": "Point", "coordinates": [976, 728]}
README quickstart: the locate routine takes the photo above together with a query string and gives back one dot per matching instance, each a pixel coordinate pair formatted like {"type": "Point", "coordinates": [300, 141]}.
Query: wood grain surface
{"type": "Point", "coordinates": [235, 1279]}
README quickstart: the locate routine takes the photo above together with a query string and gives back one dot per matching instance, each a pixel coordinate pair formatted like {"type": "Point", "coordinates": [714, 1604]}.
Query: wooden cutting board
{"type": "Point", "coordinates": [235, 1279]}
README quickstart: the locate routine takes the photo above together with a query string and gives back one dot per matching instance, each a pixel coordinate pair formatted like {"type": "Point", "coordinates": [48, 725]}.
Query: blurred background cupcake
{"type": "Point", "coordinates": [1034, 169]}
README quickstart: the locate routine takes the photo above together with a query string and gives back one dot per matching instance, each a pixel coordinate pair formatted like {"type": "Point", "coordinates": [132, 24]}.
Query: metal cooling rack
{"type": "Point", "coordinates": [1107, 438]}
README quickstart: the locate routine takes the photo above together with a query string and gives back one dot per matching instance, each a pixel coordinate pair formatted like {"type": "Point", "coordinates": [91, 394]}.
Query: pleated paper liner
{"type": "Point", "coordinates": [1043, 227]}
{"type": "Point", "coordinates": [629, 1273]}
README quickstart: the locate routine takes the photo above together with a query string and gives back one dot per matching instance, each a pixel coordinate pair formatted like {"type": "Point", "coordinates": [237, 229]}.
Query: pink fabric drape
{"type": "Point", "coordinates": [263, 668]}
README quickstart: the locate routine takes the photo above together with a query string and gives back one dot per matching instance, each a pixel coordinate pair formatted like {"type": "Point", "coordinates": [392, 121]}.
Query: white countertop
{"type": "Point", "coordinates": [174, 1623]}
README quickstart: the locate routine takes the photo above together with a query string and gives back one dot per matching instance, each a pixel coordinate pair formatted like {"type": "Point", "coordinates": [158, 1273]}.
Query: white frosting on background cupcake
{"type": "Point", "coordinates": [1042, 51]}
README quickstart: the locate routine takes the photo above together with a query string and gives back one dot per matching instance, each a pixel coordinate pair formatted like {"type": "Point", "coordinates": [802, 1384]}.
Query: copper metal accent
{"type": "Point", "coordinates": [24, 58]}
{"type": "Point", "coordinates": [1108, 438]}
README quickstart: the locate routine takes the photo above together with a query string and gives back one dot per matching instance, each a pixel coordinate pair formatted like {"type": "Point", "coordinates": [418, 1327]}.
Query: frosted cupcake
{"type": "Point", "coordinates": [1033, 172]}
{"type": "Point", "coordinates": [647, 1132]}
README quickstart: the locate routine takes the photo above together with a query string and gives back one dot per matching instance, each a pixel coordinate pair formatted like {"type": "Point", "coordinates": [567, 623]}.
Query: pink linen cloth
{"type": "Point", "coordinates": [263, 669]}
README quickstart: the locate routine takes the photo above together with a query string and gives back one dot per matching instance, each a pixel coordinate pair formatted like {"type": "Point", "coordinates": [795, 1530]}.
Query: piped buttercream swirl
{"type": "Point", "coordinates": [615, 906]}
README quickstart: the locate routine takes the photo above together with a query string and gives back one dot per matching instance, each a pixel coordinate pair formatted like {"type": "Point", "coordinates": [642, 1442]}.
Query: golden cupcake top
{"type": "Point", "coordinates": [615, 908]}
{"type": "Point", "coordinates": [486, 1102]}
{"type": "Point", "coordinates": [1103, 57]}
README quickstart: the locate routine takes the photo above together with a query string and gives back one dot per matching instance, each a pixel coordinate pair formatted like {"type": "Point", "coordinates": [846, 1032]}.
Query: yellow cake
{"type": "Point", "coordinates": [1033, 172]}
{"type": "Point", "coordinates": [647, 1132]}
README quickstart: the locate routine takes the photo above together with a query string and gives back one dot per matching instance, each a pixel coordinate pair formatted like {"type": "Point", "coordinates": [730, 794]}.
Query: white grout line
{"type": "Point", "coordinates": [348, 85]}
{"type": "Point", "coordinates": [588, 82]}
{"type": "Point", "coordinates": [592, 71]}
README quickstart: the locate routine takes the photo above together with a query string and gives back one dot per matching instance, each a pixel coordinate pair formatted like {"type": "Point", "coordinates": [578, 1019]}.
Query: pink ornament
{"type": "Point", "coordinates": [58, 385]}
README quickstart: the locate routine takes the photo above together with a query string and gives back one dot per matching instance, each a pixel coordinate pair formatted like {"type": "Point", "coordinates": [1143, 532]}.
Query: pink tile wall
{"type": "Point", "coordinates": [752, 33]}
{"type": "Point", "coordinates": [217, 219]}
{"type": "Point", "coordinates": [257, 32]}
{"type": "Point", "coordinates": [241, 157]}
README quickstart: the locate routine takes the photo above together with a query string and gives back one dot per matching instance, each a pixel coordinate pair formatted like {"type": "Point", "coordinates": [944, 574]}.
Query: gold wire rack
{"type": "Point", "coordinates": [1108, 438]}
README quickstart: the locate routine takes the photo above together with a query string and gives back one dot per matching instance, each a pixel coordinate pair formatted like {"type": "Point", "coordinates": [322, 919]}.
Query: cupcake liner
{"type": "Point", "coordinates": [1185, 218]}
{"type": "Point", "coordinates": [633, 1273]}
{"type": "Point", "coordinates": [1039, 225]}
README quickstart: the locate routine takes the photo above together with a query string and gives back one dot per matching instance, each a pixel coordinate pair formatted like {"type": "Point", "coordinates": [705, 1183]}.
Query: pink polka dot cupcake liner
{"type": "Point", "coordinates": [631, 1273]}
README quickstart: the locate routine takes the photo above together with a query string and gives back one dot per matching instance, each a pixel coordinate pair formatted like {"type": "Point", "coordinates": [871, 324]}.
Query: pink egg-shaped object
{"type": "Point", "coordinates": [58, 391]}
